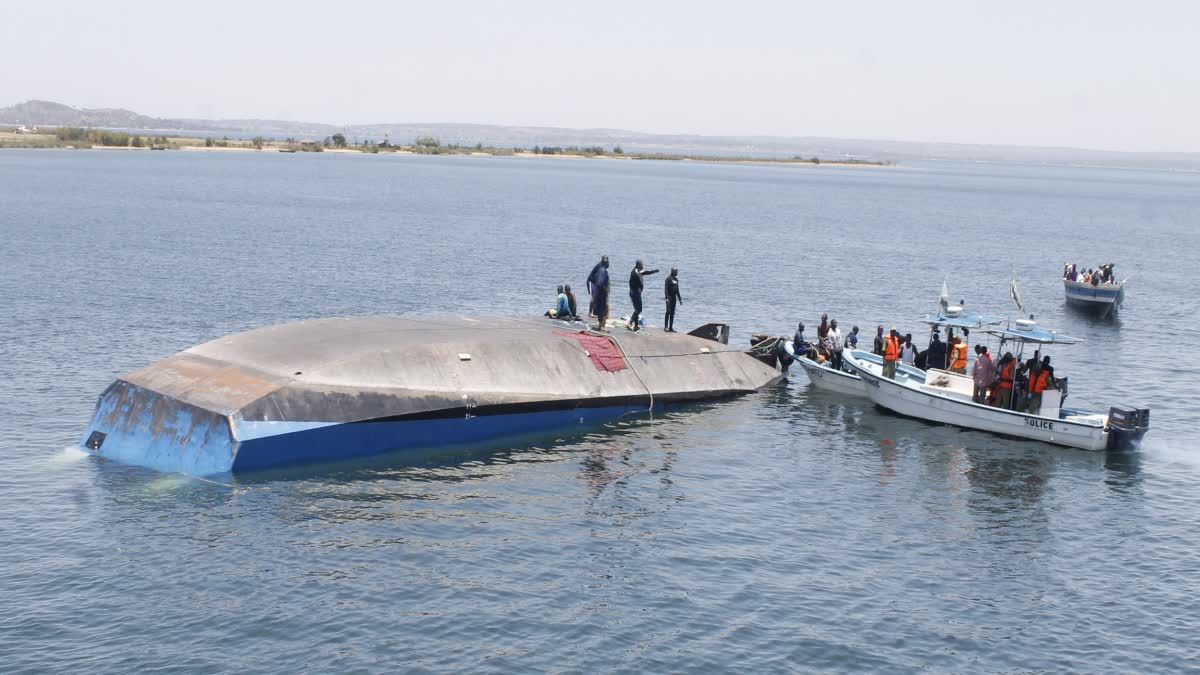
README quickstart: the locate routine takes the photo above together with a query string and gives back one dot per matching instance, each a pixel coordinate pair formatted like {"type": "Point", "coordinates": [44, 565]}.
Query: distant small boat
{"type": "Point", "coordinates": [1103, 298]}
{"type": "Point", "coordinates": [288, 150]}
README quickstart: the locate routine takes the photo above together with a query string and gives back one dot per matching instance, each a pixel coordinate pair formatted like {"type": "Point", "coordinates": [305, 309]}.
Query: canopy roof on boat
{"type": "Point", "coordinates": [1034, 335]}
{"type": "Point", "coordinates": [962, 319]}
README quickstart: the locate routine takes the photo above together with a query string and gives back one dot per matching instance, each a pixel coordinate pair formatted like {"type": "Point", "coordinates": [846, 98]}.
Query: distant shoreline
{"type": "Point", "coordinates": [78, 138]}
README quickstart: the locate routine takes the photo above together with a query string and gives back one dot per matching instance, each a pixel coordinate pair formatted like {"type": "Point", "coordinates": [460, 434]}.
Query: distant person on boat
{"type": "Point", "coordinates": [590, 286]}
{"type": "Point", "coordinates": [935, 356]}
{"type": "Point", "coordinates": [571, 306]}
{"type": "Point", "coordinates": [877, 348]}
{"type": "Point", "coordinates": [958, 354]}
{"type": "Point", "coordinates": [908, 352]}
{"type": "Point", "coordinates": [1002, 386]}
{"type": "Point", "coordinates": [1039, 378]}
{"type": "Point", "coordinates": [671, 287]}
{"type": "Point", "coordinates": [799, 345]}
{"type": "Point", "coordinates": [891, 353]}
{"type": "Point", "coordinates": [822, 343]}
{"type": "Point", "coordinates": [598, 284]}
{"type": "Point", "coordinates": [982, 373]}
{"type": "Point", "coordinates": [835, 344]}
{"type": "Point", "coordinates": [852, 339]}
{"type": "Point", "coordinates": [635, 292]}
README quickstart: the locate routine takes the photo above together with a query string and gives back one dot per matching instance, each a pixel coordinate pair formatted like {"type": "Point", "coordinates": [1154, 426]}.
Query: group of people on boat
{"type": "Point", "coordinates": [1002, 383]}
{"type": "Point", "coordinates": [599, 284]}
{"type": "Point", "coordinates": [1011, 385]}
{"type": "Point", "coordinates": [1101, 275]}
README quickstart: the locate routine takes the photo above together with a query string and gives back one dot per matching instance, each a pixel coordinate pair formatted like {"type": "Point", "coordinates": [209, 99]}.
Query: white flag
{"type": "Point", "coordinates": [1012, 290]}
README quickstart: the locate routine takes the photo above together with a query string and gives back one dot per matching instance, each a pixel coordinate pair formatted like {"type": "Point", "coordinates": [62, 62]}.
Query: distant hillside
{"type": "Point", "coordinates": [46, 113]}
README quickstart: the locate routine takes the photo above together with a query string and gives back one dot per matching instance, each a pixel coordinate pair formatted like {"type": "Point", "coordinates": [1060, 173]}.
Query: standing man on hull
{"type": "Point", "coordinates": [597, 284]}
{"type": "Point", "coordinates": [635, 292]}
{"type": "Point", "coordinates": [673, 296]}
{"type": "Point", "coordinates": [591, 293]}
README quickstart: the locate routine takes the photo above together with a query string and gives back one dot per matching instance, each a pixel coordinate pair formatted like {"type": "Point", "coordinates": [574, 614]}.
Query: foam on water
{"type": "Point", "coordinates": [68, 455]}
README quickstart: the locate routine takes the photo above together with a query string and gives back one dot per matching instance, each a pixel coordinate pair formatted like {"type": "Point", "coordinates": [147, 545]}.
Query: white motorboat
{"type": "Point", "coordinates": [945, 397]}
{"type": "Point", "coordinates": [825, 376]}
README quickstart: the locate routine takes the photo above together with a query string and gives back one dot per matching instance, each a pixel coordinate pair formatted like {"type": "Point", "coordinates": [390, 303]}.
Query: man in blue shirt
{"type": "Point", "coordinates": [597, 284]}
{"type": "Point", "coordinates": [563, 309]}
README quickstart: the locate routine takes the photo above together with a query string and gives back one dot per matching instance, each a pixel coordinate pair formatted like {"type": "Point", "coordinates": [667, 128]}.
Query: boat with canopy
{"type": "Point", "coordinates": [945, 397]}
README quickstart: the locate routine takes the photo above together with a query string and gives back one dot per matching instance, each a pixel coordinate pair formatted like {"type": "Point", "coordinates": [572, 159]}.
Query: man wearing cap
{"type": "Point", "coordinates": [891, 353]}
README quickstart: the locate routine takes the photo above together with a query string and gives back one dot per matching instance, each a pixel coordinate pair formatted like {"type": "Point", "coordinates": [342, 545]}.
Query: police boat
{"type": "Point", "coordinates": [941, 396]}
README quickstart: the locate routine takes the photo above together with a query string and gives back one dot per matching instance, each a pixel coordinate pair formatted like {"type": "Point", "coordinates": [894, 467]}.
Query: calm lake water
{"type": "Point", "coordinates": [784, 531]}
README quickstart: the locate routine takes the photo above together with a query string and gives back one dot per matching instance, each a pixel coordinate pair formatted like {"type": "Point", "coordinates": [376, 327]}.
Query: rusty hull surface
{"type": "Point", "coordinates": [331, 388]}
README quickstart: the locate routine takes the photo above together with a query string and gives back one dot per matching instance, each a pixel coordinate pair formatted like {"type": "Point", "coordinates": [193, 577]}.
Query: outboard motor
{"type": "Point", "coordinates": [1126, 426]}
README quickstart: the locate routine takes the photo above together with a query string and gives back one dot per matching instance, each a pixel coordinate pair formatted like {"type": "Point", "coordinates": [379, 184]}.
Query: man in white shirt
{"type": "Point", "coordinates": [908, 353]}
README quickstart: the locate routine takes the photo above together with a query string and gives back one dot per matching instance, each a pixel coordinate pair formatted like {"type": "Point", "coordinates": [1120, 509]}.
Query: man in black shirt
{"type": "Point", "coordinates": [673, 296]}
{"type": "Point", "coordinates": [635, 291]}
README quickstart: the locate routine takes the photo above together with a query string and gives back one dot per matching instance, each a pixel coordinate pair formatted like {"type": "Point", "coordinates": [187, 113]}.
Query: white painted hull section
{"type": "Point", "coordinates": [913, 399]}
{"type": "Point", "coordinates": [832, 380]}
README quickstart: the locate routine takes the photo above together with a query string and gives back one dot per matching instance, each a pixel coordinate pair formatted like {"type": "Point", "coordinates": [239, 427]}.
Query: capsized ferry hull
{"type": "Point", "coordinates": [335, 389]}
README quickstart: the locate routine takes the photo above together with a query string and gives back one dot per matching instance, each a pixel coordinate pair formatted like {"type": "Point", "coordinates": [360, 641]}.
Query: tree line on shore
{"type": "Point", "coordinates": [424, 145]}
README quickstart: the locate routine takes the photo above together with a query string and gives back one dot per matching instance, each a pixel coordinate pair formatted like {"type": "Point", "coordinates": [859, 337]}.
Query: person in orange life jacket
{"type": "Point", "coordinates": [891, 353]}
{"type": "Point", "coordinates": [1043, 381]}
{"type": "Point", "coordinates": [958, 353]}
{"type": "Point", "coordinates": [1038, 379]}
{"type": "Point", "coordinates": [1003, 387]}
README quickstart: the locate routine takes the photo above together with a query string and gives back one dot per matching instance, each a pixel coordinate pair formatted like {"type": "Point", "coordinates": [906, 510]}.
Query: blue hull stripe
{"type": "Point", "coordinates": [363, 439]}
{"type": "Point", "coordinates": [138, 426]}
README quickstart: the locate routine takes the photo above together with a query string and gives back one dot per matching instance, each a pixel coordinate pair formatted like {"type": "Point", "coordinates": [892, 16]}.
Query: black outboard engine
{"type": "Point", "coordinates": [1126, 426]}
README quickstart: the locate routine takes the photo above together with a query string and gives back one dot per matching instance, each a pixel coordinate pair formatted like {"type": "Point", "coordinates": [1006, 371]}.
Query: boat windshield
{"type": "Point", "coordinates": [963, 320]}
{"type": "Point", "coordinates": [1034, 335]}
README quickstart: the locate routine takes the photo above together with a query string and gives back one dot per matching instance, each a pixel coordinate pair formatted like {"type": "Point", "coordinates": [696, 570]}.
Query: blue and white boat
{"type": "Point", "coordinates": [944, 397]}
{"type": "Point", "coordinates": [1102, 298]}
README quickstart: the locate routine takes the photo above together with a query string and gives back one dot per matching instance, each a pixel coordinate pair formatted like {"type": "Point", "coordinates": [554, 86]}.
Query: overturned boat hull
{"type": "Point", "coordinates": [335, 389]}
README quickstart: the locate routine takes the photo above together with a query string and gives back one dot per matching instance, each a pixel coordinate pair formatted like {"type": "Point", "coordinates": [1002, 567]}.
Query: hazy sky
{"type": "Point", "coordinates": [1115, 75]}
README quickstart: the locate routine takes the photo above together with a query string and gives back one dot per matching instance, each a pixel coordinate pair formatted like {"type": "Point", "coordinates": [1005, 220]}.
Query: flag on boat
{"type": "Point", "coordinates": [945, 298]}
{"type": "Point", "coordinates": [1012, 290]}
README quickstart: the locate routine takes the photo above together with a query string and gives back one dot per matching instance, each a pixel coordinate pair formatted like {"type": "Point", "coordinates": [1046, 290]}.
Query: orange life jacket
{"type": "Point", "coordinates": [1005, 381]}
{"type": "Point", "coordinates": [959, 358]}
{"type": "Point", "coordinates": [891, 348]}
{"type": "Point", "coordinates": [1037, 383]}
